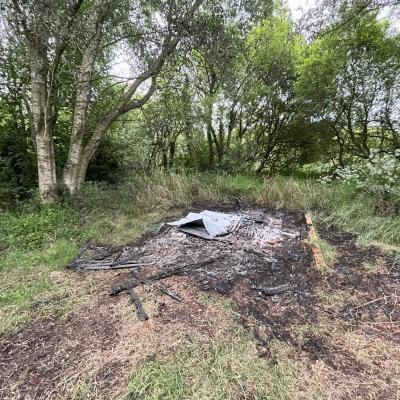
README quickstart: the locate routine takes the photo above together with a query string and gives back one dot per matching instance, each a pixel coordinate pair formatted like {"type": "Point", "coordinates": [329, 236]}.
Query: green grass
{"type": "Point", "coordinates": [36, 240]}
{"type": "Point", "coordinates": [216, 370]}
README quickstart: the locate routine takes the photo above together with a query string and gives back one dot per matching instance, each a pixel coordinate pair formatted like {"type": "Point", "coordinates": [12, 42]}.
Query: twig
{"type": "Point", "coordinates": [158, 286]}
{"type": "Point", "coordinates": [394, 308]}
{"type": "Point", "coordinates": [237, 224]}
{"type": "Point", "coordinates": [302, 317]}
{"type": "Point", "coordinates": [391, 268]}
{"type": "Point", "coordinates": [370, 302]}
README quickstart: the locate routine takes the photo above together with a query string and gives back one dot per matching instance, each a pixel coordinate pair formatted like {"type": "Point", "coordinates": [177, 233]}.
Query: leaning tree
{"type": "Point", "coordinates": [68, 47]}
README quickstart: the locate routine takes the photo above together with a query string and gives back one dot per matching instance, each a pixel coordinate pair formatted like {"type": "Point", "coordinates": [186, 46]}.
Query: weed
{"type": "Point", "coordinates": [333, 298]}
{"type": "Point", "coordinates": [329, 252]}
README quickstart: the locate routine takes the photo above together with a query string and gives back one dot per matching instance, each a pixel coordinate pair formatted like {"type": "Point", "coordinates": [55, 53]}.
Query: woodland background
{"type": "Point", "coordinates": [222, 87]}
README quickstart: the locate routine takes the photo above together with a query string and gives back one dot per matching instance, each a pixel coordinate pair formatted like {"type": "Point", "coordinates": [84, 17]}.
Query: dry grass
{"type": "Point", "coordinates": [204, 367]}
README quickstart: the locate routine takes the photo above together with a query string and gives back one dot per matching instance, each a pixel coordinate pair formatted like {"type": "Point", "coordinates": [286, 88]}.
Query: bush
{"type": "Point", "coordinates": [380, 173]}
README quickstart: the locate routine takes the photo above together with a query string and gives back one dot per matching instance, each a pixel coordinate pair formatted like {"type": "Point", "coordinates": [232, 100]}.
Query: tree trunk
{"type": "Point", "coordinates": [210, 146]}
{"type": "Point", "coordinates": [46, 166]}
{"type": "Point", "coordinates": [74, 167]}
{"type": "Point", "coordinates": [44, 132]}
{"type": "Point", "coordinates": [172, 147]}
{"type": "Point", "coordinates": [210, 135]}
{"type": "Point", "coordinates": [79, 157]}
{"type": "Point", "coordinates": [74, 175]}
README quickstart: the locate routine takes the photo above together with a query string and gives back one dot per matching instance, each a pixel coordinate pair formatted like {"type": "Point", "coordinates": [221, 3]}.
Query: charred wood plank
{"type": "Point", "coordinates": [271, 291]}
{"type": "Point", "coordinates": [178, 269]}
{"type": "Point", "coordinates": [140, 311]}
{"type": "Point", "coordinates": [113, 252]}
{"type": "Point", "coordinates": [125, 260]}
{"type": "Point", "coordinates": [101, 264]}
{"type": "Point", "coordinates": [164, 273]}
{"type": "Point", "coordinates": [158, 286]}
{"type": "Point", "coordinates": [97, 267]}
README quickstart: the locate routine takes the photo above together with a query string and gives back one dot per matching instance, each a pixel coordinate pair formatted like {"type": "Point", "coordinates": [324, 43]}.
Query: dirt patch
{"type": "Point", "coordinates": [38, 357]}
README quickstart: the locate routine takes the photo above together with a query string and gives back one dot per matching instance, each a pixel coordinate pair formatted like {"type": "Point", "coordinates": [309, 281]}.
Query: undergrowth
{"type": "Point", "coordinates": [336, 204]}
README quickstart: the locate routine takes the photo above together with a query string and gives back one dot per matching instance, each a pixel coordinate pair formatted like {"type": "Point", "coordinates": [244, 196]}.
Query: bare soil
{"type": "Point", "coordinates": [342, 327]}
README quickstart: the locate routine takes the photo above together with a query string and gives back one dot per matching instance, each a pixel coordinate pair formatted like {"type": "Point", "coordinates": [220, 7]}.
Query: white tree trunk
{"type": "Point", "coordinates": [71, 170]}
{"type": "Point", "coordinates": [44, 133]}
{"type": "Point", "coordinates": [79, 158]}
{"type": "Point", "coordinates": [75, 169]}
{"type": "Point", "coordinates": [46, 167]}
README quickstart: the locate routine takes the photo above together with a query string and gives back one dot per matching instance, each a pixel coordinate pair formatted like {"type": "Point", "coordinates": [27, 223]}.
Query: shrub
{"type": "Point", "coordinates": [380, 173]}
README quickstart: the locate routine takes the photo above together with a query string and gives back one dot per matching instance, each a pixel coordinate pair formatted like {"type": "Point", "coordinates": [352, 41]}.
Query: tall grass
{"type": "Point", "coordinates": [101, 211]}
{"type": "Point", "coordinates": [335, 204]}
{"type": "Point", "coordinates": [104, 212]}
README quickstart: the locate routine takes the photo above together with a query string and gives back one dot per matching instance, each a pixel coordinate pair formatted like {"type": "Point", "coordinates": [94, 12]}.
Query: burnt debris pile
{"type": "Point", "coordinates": [214, 249]}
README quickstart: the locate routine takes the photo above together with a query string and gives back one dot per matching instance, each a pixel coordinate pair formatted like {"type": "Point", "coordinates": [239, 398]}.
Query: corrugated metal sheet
{"type": "Point", "coordinates": [215, 223]}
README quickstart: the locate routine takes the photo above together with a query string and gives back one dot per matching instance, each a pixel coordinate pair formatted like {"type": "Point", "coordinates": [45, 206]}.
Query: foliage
{"type": "Point", "coordinates": [33, 229]}
{"type": "Point", "coordinates": [244, 92]}
{"type": "Point", "coordinates": [380, 173]}
{"type": "Point", "coordinates": [349, 79]}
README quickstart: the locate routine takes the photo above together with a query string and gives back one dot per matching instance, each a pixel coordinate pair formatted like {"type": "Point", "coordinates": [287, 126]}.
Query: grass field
{"type": "Point", "coordinates": [37, 242]}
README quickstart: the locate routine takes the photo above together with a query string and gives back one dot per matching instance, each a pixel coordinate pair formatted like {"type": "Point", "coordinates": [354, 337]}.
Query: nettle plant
{"type": "Point", "coordinates": [380, 173]}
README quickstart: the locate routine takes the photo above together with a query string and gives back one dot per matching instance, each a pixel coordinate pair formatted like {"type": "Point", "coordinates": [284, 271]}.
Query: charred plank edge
{"type": "Point", "coordinates": [102, 267]}
{"type": "Point", "coordinates": [92, 264]}
{"type": "Point", "coordinates": [140, 311]}
{"type": "Point", "coordinates": [318, 258]}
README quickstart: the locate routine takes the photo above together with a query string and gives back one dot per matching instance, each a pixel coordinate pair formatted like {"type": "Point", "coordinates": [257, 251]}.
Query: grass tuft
{"type": "Point", "coordinates": [334, 204]}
